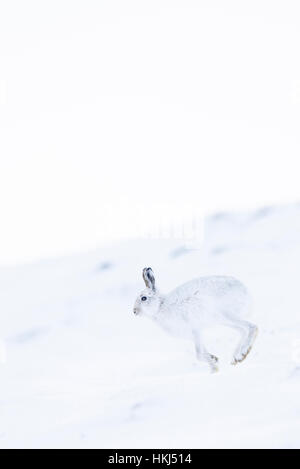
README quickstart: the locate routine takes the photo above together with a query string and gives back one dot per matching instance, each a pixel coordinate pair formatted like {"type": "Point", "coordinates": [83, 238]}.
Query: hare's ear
{"type": "Point", "coordinates": [148, 277]}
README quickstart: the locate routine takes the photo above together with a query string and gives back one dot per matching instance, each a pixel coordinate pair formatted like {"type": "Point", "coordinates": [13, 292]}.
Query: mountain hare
{"type": "Point", "coordinates": [202, 302]}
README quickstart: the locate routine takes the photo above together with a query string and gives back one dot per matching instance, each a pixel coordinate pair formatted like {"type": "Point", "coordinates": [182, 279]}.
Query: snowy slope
{"type": "Point", "coordinates": [82, 371]}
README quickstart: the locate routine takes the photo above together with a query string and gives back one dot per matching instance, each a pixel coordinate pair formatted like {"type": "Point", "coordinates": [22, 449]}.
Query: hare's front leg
{"type": "Point", "coordinates": [203, 354]}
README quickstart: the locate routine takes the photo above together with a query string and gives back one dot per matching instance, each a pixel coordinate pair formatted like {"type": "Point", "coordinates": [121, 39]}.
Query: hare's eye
{"type": "Point", "coordinates": [144, 298]}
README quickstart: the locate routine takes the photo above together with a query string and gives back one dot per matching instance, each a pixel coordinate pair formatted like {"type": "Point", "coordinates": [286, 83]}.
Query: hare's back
{"type": "Point", "coordinates": [216, 287]}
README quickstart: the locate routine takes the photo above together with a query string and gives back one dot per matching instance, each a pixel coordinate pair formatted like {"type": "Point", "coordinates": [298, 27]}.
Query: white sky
{"type": "Point", "coordinates": [112, 110]}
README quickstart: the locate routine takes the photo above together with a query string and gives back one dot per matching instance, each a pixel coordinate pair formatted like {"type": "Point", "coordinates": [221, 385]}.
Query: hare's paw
{"type": "Point", "coordinates": [243, 354]}
{"type": "Point", "coordinates": [245, 348]}
{"type": "Point", "coordinates": [213, 361]}
{"type": "Point", "coordinates": [239, 358]}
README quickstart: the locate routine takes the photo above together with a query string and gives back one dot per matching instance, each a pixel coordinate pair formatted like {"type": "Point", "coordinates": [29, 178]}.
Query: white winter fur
{"type": "Point", "coordinates": [197, 304]}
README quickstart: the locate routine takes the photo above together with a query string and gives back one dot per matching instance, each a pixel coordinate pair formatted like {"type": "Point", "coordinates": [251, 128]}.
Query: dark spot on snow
{"type": "Point", "coordinates": [219, 216]}
{"type": "Point", "coordinates": [134, 411]}
{"type": "Point", "coordinates": [137, 406]}
{"type": "Point", "coordinates": [30, 335]}
{"type": "Point", "coordinates": [219, 250]}
{"type": "Point", "coordinates": [180, 251]}
{"type": "Point", "coordinates": [263, 213]}
{"type": "Point", "coordinates": [295, 373]}
{"type": "Point", "coordinates": [104, 266]}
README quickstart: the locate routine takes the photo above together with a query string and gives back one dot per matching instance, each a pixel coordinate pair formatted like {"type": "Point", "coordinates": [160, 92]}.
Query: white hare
{"type": "Point", "coordinates": [202, 302]}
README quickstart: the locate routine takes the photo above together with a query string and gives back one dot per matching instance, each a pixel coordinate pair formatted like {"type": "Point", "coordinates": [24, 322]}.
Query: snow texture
{"type": "Point", "coordinates": [79, 370]}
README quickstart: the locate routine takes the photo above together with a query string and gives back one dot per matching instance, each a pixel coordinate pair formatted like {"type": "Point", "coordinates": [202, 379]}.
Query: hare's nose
{"type": "Point", "coordinates": [135, 311]}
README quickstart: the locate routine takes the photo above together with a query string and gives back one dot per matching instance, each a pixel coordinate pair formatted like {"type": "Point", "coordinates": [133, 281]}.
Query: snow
{"type": "Point", "coordinates": [83, 372]}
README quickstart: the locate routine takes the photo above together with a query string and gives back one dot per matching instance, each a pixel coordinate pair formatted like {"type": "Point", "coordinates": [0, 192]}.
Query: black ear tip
{"type": "Point", "coordinates": [149, 278]}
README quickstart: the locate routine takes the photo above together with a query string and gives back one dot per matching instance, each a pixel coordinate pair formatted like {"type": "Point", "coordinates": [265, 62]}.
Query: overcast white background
{"type": "Point", "coordinates": [113, 111]}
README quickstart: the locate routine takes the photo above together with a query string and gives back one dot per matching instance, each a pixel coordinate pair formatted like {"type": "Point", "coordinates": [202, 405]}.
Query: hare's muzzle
{"type": "Point", "coordinates": [136, 311]}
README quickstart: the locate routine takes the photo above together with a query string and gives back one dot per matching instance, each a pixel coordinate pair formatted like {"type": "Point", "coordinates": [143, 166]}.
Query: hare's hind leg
{"type": "Point", "coordinates": [204, 355]}
{"type": "Point", "coordinates": [246, 347]}
{"type": "Point", "coordinates": [249, 333]}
